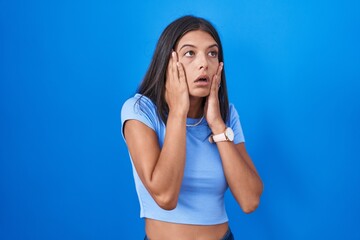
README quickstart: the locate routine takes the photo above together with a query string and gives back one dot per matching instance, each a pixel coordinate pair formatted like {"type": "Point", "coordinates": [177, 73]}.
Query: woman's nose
{"type": "Point", "coordinates": [203, 61]}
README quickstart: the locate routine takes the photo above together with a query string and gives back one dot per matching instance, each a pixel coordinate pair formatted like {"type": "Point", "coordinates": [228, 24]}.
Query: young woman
{"type": "Point", "coordinates": [185, 139]}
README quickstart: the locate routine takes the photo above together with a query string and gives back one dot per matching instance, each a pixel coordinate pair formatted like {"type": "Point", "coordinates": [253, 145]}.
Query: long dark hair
{"type": "Point", "coordinates": [153, 85]}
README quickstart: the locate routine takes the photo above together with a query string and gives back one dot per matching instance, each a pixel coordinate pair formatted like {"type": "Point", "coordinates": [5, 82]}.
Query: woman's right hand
{"type": "Point", "coordinates": [176, 88]}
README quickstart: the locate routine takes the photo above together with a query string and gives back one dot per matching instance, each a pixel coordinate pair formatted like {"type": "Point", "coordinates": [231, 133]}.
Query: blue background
{"type": "Point", "coordinates": [66, 67]}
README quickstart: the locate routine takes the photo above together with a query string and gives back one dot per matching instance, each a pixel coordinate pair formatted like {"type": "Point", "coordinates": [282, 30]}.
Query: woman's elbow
{"type": "Point", "coordinates": [251, 206]}
{"type": "Point", "coordinates": [166, 202]}
{"type": "Point", "coordinates": [167, 205]}
{"type": "Point", "coordinates": [252, 203]}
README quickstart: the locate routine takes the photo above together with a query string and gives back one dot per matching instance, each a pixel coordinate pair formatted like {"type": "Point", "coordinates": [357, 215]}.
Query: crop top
{"type": "Point", "coordinates": [201, 198]}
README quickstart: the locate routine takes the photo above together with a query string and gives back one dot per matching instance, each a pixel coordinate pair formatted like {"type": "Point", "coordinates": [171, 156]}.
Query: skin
{"type": "Point", "coordinates": [161, 170]}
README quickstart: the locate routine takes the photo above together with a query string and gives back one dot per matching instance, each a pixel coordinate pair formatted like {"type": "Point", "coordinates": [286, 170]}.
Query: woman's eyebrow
{"type": "Point", "coordinates": [187, 45]}
{"type": "Point", "coordinates": [214, 45]}
{"type": "Point", "coordinates": [193, 46]}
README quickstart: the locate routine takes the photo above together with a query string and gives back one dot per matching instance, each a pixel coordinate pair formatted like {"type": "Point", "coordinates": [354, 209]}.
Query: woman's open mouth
{"type": "Point", "coordinates": [202, 80]}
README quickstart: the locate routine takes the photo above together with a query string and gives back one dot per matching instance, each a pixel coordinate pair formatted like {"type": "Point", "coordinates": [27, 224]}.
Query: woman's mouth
{"type": "Point", "coordinates": [202, 80]}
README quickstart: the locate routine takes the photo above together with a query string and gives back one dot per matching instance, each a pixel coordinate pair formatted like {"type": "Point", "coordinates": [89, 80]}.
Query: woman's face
{"type": "Point", "coordinates": [198, 52]}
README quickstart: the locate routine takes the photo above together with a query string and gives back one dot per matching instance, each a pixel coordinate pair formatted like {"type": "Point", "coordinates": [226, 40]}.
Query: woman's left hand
{"type": "Point", "coordinates": [212, 105]}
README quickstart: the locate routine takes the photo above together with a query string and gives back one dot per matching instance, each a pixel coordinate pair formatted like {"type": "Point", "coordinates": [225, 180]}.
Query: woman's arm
{"type": "Point", "coordinates": [241, 175]}
{"type": "Point", "coordinates": [162, 170]}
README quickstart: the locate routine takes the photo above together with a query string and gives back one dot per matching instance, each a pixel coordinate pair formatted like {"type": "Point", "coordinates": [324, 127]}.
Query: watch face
{"type": "Point", "coordinates": [230, 134]}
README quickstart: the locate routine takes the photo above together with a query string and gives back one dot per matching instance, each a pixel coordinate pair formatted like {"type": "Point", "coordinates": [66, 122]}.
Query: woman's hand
{"type": "Point", "coordinates": [176, 88]}
{"type": "Point", "coordinates": [212, 105]}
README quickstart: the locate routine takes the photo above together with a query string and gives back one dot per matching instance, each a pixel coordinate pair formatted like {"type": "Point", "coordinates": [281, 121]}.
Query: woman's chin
{"type": "Point", "coordinates": [199, 93]}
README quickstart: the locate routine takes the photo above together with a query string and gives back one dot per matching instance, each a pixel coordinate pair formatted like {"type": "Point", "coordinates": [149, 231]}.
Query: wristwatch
{"type": "Point", "coordinates": [227, 136]}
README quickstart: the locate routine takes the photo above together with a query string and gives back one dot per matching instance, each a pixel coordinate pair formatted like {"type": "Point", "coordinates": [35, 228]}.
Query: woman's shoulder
{"type": "Point", "coordinates": [137, 102]}
{"type": "Point", "coordinates": [235, 124]}
{"type": "Point", "coordinates": [233, 113]}
{"type": "Point", "coordinates": [139, 107]}
{"type": "Point", "coordinates": [137, 98]}
{"type": "Point", "coordinates": [232, 108]}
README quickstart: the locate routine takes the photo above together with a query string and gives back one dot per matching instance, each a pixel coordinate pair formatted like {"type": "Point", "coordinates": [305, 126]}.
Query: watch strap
{"type": "Point", "coordinates": [227, 135]}
{"type": "Point", "coordinates": [219, 137]}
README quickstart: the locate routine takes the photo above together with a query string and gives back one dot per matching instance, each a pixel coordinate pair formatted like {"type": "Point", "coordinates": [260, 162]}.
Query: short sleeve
{"type": "Point", "coordinates": [139, 108]}
{"type": "Point", "coordinates": [234, 123]}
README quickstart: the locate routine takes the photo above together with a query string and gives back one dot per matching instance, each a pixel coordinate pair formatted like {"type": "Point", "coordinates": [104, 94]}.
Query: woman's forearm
{"type": "Point", "coordinates": [241, 175]}
{"type": "Point", "coordinates": [168, 173]}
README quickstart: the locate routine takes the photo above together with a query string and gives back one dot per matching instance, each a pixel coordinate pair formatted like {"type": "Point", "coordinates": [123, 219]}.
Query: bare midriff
{"type": "Point", "coordinates": [159, 230]}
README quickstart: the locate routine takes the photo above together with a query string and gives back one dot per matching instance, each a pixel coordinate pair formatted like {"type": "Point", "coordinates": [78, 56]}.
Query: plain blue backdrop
{"type": "Point", "coordinates": [66, 67]}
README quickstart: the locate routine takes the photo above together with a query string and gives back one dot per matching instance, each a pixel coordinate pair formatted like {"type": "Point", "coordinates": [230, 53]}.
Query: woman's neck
{"type": "Point", "coordinates": [196, 109]}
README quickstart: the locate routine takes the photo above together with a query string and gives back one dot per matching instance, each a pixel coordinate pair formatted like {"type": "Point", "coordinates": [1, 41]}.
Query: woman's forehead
{"type": "Point", "coordinates": [197, 38]}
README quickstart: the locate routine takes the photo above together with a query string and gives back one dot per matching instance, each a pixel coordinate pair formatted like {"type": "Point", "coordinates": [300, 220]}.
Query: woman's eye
{"type": "Point", "coordinates": [213, 54]}
{"type": "Point", "coordinates": [189, 54]}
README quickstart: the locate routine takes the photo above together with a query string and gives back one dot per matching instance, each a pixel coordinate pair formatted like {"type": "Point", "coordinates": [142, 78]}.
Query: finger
{"type": "Point", "coordinates": [181, 71]}
{"type": "Point", "coordinates": [174, 67]}
{"type": "Point", "coordinates": [175, 56]}
{"type": "Point", "coordinates": [214, 85]}
{"type": "Point", "coordinates": [218, 74]}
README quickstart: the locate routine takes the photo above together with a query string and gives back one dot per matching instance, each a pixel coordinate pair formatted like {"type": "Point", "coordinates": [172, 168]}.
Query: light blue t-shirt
{"type": "Point", "coordinates": [201, 198]}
